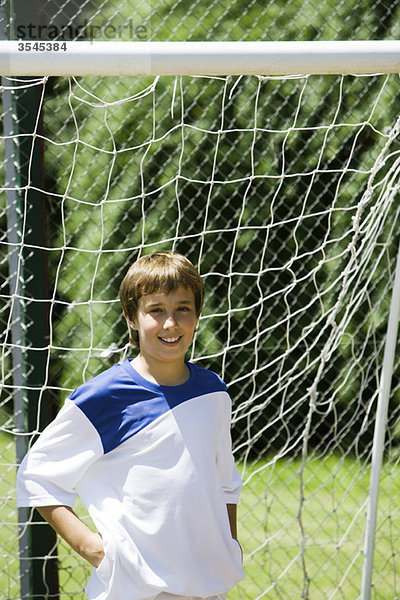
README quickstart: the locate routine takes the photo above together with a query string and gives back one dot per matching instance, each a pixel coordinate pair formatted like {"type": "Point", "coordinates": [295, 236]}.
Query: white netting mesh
{"type": "Point", "coordinates": [284, 193]}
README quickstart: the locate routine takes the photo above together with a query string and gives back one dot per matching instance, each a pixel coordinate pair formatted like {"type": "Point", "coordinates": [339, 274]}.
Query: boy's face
{"type": "Point", "coordinates": [165, 323]}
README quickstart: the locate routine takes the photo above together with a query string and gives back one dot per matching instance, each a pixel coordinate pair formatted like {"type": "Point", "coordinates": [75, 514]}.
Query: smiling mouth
{"type": "Point", "coordinates": [170, 341]}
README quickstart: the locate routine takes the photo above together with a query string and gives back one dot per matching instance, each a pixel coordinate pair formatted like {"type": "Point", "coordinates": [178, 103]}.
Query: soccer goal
{"type": "Point", "coordinates": [275, 168]}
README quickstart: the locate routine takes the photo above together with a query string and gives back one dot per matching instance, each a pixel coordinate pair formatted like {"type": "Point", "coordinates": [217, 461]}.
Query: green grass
{"type": "Point", "coordinates": [303, 532]}
{"type": "Point", "coordinates": [291, 547]}
{"type": "Point", "coordinates": [9, 572]}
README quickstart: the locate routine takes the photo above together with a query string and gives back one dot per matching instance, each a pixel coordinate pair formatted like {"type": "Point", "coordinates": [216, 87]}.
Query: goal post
{"type": "Point", "coordinates": [47, 58]}
{"type": "Point", "coordinates": [378, 449]}
{"type": "Point", "coordinates": [290, 221]}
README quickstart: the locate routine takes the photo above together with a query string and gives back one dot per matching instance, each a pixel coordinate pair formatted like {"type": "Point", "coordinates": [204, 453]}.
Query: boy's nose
{"type": "Point", "coordinates": [170, 321]}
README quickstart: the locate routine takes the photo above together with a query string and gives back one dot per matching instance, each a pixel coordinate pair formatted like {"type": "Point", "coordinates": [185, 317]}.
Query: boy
{"type": "Point", "coordinates": [146, 445]}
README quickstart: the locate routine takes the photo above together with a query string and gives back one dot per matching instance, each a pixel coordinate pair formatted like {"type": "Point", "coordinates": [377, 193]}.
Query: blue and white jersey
{"type": "Point", "coordinates": [154, 467]}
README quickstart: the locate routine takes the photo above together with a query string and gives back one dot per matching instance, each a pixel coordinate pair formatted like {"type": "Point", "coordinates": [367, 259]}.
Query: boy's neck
{"type": "Point", "coordinates": [162, 374]}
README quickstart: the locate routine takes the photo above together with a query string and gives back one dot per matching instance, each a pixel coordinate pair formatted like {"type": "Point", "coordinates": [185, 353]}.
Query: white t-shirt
{"type": "Point", "coordinates": [154, 467]}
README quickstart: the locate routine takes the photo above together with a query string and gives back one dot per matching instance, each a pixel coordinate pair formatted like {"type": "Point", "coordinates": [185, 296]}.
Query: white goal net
{"type": "Point", "coordinates": [283, 191]}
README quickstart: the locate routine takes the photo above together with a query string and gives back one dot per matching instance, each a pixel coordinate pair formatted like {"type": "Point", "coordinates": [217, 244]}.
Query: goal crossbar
{"type": "Point", "coordinates": [41, 58]}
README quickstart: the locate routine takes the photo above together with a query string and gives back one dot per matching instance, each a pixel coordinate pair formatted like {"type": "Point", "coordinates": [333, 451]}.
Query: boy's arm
{"type": "Point", "coordinates": [232, 514]}
{"type": "Point", "coordinates": [67, 524]}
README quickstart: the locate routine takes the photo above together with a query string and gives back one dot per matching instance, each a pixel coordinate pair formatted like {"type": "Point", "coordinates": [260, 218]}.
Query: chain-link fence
{"type": "Point", "coordinates": [207, 20]}
{"type": "Point", "coordinates": [283, 192]}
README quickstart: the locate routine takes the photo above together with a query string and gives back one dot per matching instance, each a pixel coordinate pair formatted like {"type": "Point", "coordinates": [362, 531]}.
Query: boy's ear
{"type": "Point", "coordinates": [131, 324]}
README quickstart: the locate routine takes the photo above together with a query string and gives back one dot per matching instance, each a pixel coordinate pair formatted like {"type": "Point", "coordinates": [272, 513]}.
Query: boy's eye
{"type": "Point", "coordinates": [160, 310]}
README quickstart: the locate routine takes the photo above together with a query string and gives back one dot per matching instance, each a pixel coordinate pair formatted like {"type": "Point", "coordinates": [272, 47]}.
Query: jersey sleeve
{"type": "Point", "coordinates": [58, 460]}
{"type": "Point", "coordinates": [229, 474]}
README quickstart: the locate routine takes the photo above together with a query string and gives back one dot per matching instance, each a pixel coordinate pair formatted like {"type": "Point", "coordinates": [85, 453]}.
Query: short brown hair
{"type": "Point", "coordinates": [162, 272]}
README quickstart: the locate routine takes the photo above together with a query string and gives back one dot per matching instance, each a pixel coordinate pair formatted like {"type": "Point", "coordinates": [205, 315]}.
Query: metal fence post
{"type": "Point", "coordinates": [28, 266]}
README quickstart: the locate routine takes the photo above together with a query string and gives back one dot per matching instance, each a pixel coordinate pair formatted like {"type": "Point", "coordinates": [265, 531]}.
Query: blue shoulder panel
{"type": "Point", "coordinates": [119, 402]}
